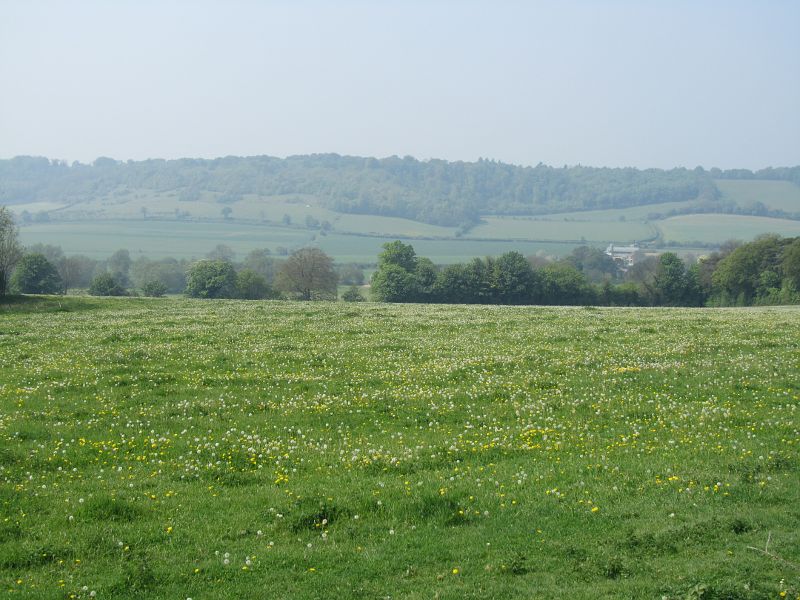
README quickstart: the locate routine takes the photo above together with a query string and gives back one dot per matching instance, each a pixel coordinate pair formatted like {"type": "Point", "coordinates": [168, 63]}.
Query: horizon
{"type": "Point", "coordinates": [612, 84]}
{"type": "Point", "coordinates": [418, 159]}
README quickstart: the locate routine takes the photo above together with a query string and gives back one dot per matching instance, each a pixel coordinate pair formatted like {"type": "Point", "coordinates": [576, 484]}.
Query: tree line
{"type": "Point", "coordinates": [763, 272]}
{"type": "Point", "coordinates": [432, 191]}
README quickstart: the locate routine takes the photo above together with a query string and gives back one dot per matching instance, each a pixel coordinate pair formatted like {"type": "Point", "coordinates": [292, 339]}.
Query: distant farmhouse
{"type": "Point", "coordinates": [625, 256]}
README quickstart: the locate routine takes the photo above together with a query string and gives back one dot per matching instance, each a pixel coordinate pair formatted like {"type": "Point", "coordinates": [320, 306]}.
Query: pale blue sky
{"type": "Point", "coordinates": [602, 83]}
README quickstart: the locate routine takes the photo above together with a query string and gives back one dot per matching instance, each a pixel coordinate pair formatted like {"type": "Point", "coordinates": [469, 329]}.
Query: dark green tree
{"type": "Point", "coordinates": [252, 286]}
{"type": "Point", "coordinates": [105, 284]}
{"type": "Point", "coordinates": [393, 283]}
{"type": "Point", "coordinates": [790, 263]}
{"type": "Point", "coordinates": [514, 280]}
{"type": "Point", "coordinates": [670, 281]}
{"type": "Point", "coordinates": [35, 274]}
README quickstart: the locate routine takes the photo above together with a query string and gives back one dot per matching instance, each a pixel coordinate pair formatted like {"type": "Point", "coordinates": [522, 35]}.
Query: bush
{"type": "Point", "coordinates": [353, 294]}
{"type": "Point", "coordinates": [211, 279]}
{"type": "Point", "coordinates": [154, 289]}
{"type": "Point", "coordinates": [252, 286]}
{"type": "Point", "coordinates": [106, 285]}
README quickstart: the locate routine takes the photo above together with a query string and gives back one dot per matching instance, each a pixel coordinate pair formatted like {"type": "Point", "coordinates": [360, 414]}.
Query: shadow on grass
{"type": "Point", "coordinates": [46, 304]}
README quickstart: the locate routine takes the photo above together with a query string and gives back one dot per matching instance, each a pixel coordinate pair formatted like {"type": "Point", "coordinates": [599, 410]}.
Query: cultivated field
{"type": "Point", "coordinates": [191, 449]}
{"type": "Point", "coordinates": [715, 229]}
{"type": "Point", "coordinates": [145, 222]}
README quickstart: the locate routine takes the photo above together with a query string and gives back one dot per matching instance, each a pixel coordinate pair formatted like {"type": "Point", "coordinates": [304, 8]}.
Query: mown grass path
{"type": "Point", "coordinates": [191, 449]}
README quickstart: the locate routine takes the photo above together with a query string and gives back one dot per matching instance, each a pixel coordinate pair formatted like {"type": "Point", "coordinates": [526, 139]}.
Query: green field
{"type": "Point", "coordinates": [103, 225]}
{"type": "Point", "coordinates": [558, 228]}
{"type": "Point", "coordinates": [180, 239]}
{"type": "Point", "coordinates": [776, 195]}
{"type": "Point", "coordinates": [715, 229]}
{"type": "Point", "coordinates": [224, 449]}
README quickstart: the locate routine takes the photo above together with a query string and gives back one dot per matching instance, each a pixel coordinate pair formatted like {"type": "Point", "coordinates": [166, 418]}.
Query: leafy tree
{"type": "Point", "coordinates": [105, 284]}
{"type": "Point", "coordinates": [252, 286]}
{"type": "Point", "coordinates": [670, 280]}
{"type": "Point", "coordinates": [563, 284]}
{"type": "Point", "coordinates": [10, 249]}
{"type": "Point", "coordinates": [35, 275]}
{"type": "Point", "coordinates": [400, 254]}
{"type": "Point", "coordinates": [393, 283]}
{"type": "Point", "coordinates": [513, 278]}
{"type": "Point", "coordinates": [790, 263]}
{"type": "Point", "coordinates": [226, 212]}
{"type": "Point", "coordinates": [211, 279]}
{"type": "Point", "coordinates": [454, 285]}
{"type": "Point", "coordinates": [353, 294]}
{"type": "Point", "coordinates": [425, 275]}
{"type": "Point", "coordinates": [308, 274]}
{"type": "Point", "coordinates": [154, 289]}
{"type": "Point", "coordinates": [740, 276]}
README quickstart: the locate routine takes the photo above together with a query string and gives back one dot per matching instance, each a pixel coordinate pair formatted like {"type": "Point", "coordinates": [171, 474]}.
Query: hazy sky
{"type": "Point", "coordinates": [638, 83]}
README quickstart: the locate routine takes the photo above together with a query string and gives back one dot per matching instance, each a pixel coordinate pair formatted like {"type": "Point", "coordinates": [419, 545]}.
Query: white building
{"type": "Point", "coordinates": [623, 254]}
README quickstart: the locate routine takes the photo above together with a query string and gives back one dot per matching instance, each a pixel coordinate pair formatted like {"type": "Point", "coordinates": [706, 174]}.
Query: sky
{"type": "Point", "coordinates": [599, 83]}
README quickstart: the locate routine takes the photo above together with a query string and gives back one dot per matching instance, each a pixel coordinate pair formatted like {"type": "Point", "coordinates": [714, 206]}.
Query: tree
{"type": "Point", "coordinates": [392, 283]}
{"type": "Point", "coordinates": [790, 263]}
{"type": "Point", "coordinates": [226, 212]}
{"type": "Point", "coordinates": [10, 250]}
{"type": "Point", "coordinates": [308, 274]}
{"type": "Point", "coordinates": [106, 284]}
{"type": "Point", "coordinates": [740, 277]}
{"type": "Point", "coordinates": [670, 280]}
{"type": "Point", "coordinates": [563, 284]}
{"type": "Point", "coordinates": [35, 275]}
{"type": "Point", "coordinates": [400, 254]}
{"type": "Point", "coordinates": [252, 286]}
{"type": "Point", "coordinates": [211, 279]}
{"type": "Point", "coordinates": [514, 279]}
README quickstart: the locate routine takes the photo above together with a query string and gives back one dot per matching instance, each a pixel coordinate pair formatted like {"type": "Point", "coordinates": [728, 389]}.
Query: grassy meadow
{"type": "Point", "coordinates": [775, 195]}
{"type": "Point", "coordinates": [231, 449]}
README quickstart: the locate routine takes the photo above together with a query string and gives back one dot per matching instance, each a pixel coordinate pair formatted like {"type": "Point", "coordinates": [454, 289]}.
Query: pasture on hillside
{"type": "Point", "coordinates": [232, 449]}
{"type": "Point", "coordinates": [715, 229]}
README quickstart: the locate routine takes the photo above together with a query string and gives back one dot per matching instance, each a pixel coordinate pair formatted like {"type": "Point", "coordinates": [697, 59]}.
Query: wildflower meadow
{"type": "Point", "coordinates": [175, 448]}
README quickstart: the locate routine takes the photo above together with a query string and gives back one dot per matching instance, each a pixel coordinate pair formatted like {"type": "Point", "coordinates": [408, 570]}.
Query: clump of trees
{"type": "Point", "coordinates": [34, 274]}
